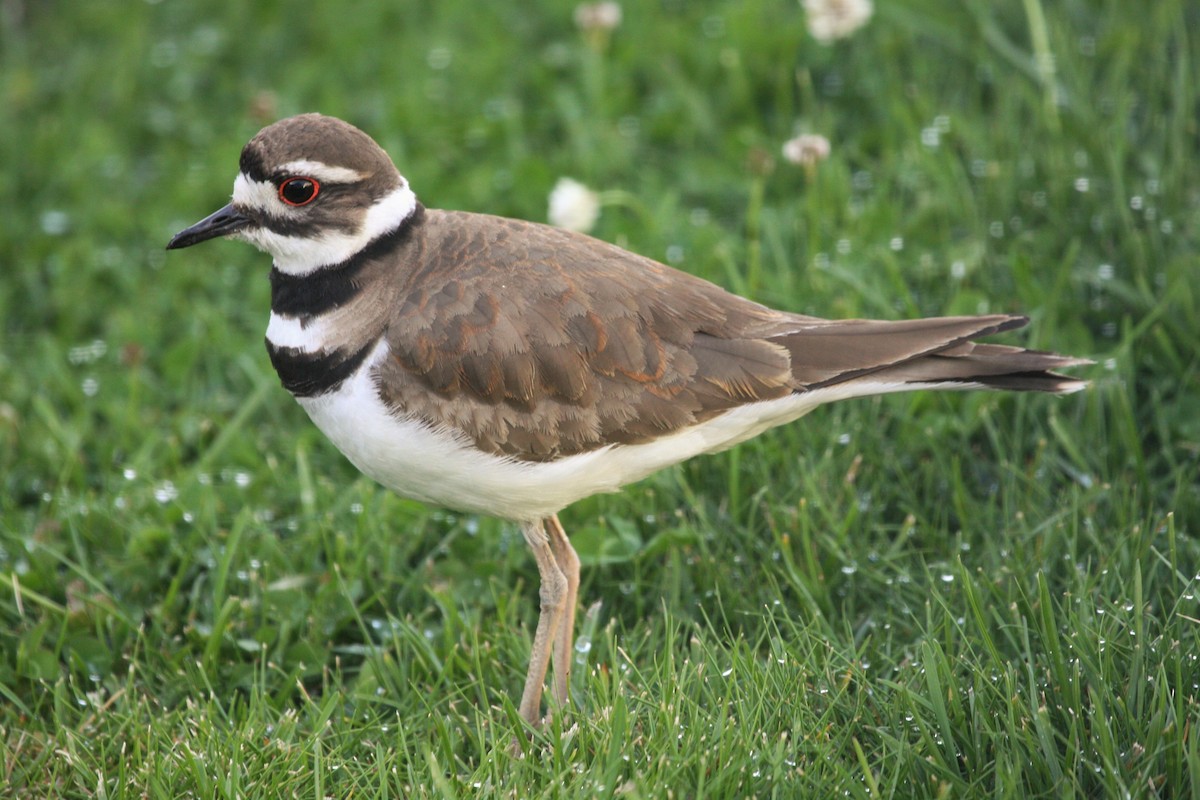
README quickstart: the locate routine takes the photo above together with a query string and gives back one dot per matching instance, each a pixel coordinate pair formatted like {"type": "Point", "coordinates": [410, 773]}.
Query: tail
{"type": "Point", "coordinates": [934, 353]}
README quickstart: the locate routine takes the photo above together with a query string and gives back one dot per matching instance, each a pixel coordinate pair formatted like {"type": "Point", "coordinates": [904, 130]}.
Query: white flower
{"type": "Point", "coordinates": [806, 149]}
{"type": "Point", "coordinates": [598, 16]}
{"type": "Point", "coordinates": [829, 20]}
{"type": "Point", "coordinates": [573, 206]}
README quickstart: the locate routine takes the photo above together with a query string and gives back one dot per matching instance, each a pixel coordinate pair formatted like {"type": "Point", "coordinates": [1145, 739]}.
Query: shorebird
{"type": "Point", "coordinates": [509, 368]}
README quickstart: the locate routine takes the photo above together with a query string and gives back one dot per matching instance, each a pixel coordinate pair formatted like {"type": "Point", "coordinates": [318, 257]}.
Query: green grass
{"type": "Point", "coordinates": [913, 596]}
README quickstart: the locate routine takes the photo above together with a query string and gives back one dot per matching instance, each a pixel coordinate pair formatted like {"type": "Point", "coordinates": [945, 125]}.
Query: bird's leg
{"type": "Point", "coordinates": [568, 564]}
{"type": "Point", "coordinates": [553, 593]}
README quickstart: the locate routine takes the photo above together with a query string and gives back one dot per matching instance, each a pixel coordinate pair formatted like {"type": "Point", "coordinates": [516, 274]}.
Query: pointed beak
{"type": "Point", "coordinates": [220, 223]}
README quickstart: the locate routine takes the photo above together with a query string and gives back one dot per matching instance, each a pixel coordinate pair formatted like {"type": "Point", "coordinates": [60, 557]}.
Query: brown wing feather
{"type": "Point", "coordinates": [528, 363]}
{"type": "Point", "coordinates": [549, 343]}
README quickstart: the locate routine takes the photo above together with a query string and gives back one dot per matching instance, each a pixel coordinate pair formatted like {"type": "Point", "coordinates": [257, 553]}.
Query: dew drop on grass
{"type": "Point", "coordinates": [87, 353]}
{"type": "Point", "coordinates": [90, 387]}
{"type": "Point", "coordinates": [55, 223]}
{"type": "Point", "coordinates": [849, 569]}
{"type": "Point", "coordinates": [1082, 184]}
{"type": "Point", "coordinates": [165, 492]}
{"type": "Point", "coordinates": [129, 473]}
{"type": "Point", "coordinates": [439, 58]}
{"type": "Point", "coordinates": [713, 26]}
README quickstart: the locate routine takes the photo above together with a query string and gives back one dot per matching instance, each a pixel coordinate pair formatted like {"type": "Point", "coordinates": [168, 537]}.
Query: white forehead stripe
{"type": "Point", "coordinates": [320, 171]}
{"type": "Point", "coordinates": [301, 255]}
{"type": "Point", "coordinates": [250, 193]}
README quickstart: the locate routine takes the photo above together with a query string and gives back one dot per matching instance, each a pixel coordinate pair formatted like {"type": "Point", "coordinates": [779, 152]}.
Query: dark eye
{"type": "Point", "coordinates": [298, 191]}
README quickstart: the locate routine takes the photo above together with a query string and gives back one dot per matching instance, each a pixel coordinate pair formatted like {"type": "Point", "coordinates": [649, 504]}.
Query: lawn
{"type": "Point", "coordinates": [970, 595]}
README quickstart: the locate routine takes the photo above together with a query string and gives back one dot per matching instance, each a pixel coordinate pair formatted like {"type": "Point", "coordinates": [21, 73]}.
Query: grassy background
{"type": "Point", "coordinates": [915, 596]}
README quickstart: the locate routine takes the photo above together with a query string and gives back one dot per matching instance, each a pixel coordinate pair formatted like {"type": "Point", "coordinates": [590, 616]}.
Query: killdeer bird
{"type": "Point", "coordinates": [509, 368]}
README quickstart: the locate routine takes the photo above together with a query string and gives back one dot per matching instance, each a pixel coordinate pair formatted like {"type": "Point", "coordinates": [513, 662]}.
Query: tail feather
{"type": "Point", "coordinates": [991, 365]}
{"type": "Point", "coordinates": [928, 353]}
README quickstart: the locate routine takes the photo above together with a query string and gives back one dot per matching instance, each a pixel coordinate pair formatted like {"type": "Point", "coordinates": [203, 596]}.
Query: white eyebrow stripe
{"type": "Point", "coordinates": [321, 171]}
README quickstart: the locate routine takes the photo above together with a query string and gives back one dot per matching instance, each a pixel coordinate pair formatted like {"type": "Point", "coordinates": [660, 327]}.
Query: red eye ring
{"type": "Point", "coordinates": [299, 191]}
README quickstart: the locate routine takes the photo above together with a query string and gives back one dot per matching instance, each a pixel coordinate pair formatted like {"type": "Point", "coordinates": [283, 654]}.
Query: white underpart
{"type": "Point", "coordinates": [302, 255]}
{"type": "Point", "coordinates": [443, 468]}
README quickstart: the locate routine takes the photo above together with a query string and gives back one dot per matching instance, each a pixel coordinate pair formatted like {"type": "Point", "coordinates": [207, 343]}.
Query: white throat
{"type": "Point", "coordinates": [302, 255]}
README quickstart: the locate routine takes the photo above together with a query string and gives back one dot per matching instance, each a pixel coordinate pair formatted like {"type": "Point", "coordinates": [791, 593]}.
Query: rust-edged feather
{"type": "Point", "coordinates": [537, 343]}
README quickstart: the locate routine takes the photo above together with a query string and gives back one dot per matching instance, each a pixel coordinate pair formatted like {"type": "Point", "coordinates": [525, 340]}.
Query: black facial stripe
{"type": "Point", "coordinates": [251, 164]}
{"type": "Point", "coordinates": [330, 287]}
{"type": "Point", "coordinates": [301, 228]}
{"type": "Point", "coordinates": [307, 223]}
{"type": "Point", "coordinates": [312, 374]}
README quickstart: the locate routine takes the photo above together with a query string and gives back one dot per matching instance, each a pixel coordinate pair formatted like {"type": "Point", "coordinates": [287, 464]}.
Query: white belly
{"type": "Point", "coordinates": [443, 468]}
